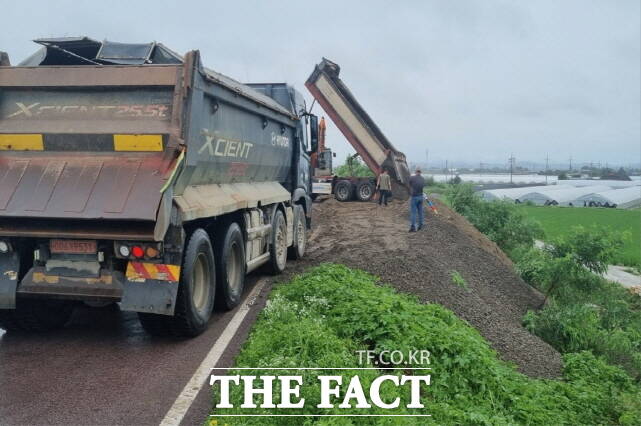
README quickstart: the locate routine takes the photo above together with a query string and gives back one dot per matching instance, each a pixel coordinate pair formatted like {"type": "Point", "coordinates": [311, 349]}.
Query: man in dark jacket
{"type": "Point", "coordinates": [417, 183]}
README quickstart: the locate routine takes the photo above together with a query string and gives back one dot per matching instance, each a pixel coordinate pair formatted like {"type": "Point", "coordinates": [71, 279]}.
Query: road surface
{"type": "Point", "coordinates": [104, 369]}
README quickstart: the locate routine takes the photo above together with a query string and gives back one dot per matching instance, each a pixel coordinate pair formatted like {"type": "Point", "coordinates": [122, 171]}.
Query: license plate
{"type": "Point", "coordinates": [73, 246]}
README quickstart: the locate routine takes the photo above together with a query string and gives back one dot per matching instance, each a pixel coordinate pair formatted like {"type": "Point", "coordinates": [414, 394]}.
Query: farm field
{"type": "Point", "coordinates": [559, 221]}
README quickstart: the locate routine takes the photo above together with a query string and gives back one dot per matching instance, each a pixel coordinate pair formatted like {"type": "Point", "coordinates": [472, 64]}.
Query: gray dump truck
{"type": "Point", "coordinates": [132, 174]}
{"type": "Point", "coordinates": [361, 132]}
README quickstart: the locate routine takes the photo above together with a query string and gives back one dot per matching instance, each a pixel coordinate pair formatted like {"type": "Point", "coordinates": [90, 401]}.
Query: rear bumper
{"type": "Point", "coordinates": [139, 295]}
{"type": "Point", "coordinates": [107, 286]}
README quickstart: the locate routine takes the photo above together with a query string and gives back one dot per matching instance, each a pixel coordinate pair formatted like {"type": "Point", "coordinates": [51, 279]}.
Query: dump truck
{"type": "Point", "coordinates": [361, 132]}
{"type": "Point", "coordinates": [132, 174]}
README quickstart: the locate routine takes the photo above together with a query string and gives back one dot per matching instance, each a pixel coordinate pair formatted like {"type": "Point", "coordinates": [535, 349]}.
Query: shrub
{"type": "Point", "coordinates": [501, 221]}
{"type": "Point", "coordinates": [353, 166]}
{"type": "Point", "coordinates": [588, 326]}
{"type": "Point", "coordinates": [594, 248]}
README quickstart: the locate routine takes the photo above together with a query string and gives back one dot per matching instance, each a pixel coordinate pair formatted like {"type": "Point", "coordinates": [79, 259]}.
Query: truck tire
{"type": "Point", "coordinates": [364, 191]}
{"type": "Point", "coordinates": [36, 315]}
{"type": "Point", "coordinates": [343, 190]}
{"type": "Point", "coordinates": [297, 250]}
{"type": "Point", "coordinates": [278, 244]}
{"type": "Point", "coordinates": [196, 293]}
{"type": "Point", "coordinates": [231, 268]}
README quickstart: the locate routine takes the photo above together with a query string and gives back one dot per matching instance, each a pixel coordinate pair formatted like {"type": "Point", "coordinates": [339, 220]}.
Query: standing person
{"type": "Point", "coordinates": [384, 186]}
{"type": "Point", "coordinates": [417, 183]}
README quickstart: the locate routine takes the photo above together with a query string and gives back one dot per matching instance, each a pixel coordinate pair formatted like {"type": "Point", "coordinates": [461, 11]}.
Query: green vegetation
{"type": "Point", "coordinates": [458, 279]}
{"type": "Point", "coordinates": [353, 166]}
{"type": "Point", "coordinates": [501, 221]}
{"type": "Point", "coordinates": [321, 318]}
{"type": "Point", "coordinates": [559, 220]}
{"type": "Point", "coordinates": [585, 312]}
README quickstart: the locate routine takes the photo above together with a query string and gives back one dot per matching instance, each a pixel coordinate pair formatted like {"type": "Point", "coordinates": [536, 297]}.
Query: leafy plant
{"type": "Point", "coordinates": [353, 166]}
{"type": "Point", "coordinates": [458, 279]}
{"type": "Point", "coordinates": [502, 222]}
{"type": "Point", "coordinates": [593, 248]}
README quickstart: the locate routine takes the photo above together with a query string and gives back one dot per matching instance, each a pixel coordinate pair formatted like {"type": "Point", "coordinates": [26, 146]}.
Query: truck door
{"type": "Point", "coordinates": [303, 179]}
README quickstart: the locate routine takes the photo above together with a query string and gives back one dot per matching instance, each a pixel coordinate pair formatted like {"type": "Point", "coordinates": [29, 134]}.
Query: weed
{"type": "Point", "coordinates": [459, 280]}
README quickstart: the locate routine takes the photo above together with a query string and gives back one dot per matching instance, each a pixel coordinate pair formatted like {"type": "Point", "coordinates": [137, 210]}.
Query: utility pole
{"type": "Point", "coordinates": [511, 167]}
{"type": "Point", "coordinates": [427, 158]}
{"type": "Point", "coordinates": [570, 163]}
{"type": "Point", "coordinates": [447, 172]}
{"type": "Point", "coordinates": [547, 163]}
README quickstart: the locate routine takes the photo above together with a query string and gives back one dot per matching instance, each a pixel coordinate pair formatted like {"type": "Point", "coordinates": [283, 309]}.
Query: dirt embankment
{"type": "Point", "coordinates": [375, 239]}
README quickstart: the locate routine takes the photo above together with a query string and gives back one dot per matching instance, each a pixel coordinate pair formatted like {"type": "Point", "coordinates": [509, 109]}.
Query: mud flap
{"type": "Point", "coordinates": [151, 296]}
{"type": "Point", "coordinates": [9, 266]}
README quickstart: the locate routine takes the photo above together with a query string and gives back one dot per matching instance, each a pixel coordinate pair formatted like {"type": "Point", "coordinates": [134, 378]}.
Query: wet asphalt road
{"type": "Point", "coordinates": [102, 368]}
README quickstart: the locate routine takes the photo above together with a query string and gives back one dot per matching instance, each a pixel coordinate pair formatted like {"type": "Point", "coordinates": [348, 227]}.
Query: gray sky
{"type": "Point", "coordinates": [468, 80]}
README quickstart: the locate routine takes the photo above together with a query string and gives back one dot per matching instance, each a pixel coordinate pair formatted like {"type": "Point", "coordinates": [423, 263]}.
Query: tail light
{"type": "Point", "coordinates": [137, 251]}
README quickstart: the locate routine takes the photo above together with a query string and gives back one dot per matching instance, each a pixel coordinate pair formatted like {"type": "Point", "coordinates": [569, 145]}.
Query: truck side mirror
{"type": "Point", "coordinates": [313, 132]}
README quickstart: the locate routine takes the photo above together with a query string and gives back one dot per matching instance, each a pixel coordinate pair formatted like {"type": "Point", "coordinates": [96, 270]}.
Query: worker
{"type": "Point", "coordinates": [417, 183]}
{"type": "Point", "coordinates": [384, 187]}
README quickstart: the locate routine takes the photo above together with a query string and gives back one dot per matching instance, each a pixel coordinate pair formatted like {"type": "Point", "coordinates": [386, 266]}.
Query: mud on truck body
{"type": "Point", "coordinates": [130, 174]}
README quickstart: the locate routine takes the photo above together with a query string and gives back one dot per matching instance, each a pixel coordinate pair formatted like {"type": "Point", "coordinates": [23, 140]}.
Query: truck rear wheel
{"type": "Point", "coordinates": [364, 191]}
{"type": "Point", "coordinates": [343, 190]}
{"type": "Point", "coordinates": [278, 246]}
{"type": "Point", "coordinates": [297, 250]}
{"type": "Point", "coordinates": [196, 293]}
{"type": "Point", "coordinates": [231, 268]}
{"type": "Point", "coordinates": [36, 315]}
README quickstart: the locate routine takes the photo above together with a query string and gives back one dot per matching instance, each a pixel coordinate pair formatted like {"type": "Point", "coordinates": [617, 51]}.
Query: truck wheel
{"type": "Point", "coordinates": [343, 190]}
{"type": "Point", "coordinates": [196, 293]}
{"type": "Point", "coordinates": [231, 268]}
{"type": "Point", "coordinates": [36, 315]}
{"type": "Point", "coordinates": [278, 244]}
{"type": "Point", "coordinates": [297, 251]}
{"type": "Point", "coordinates": [364, 191]}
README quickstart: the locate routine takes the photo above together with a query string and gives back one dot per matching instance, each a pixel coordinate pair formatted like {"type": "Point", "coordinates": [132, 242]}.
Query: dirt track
{"type": "Point", "coordinates": [375, 239]}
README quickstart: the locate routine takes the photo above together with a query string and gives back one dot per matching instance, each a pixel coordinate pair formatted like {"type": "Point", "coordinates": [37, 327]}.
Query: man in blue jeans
{"type": "Point", "coordinates": [417, 183]}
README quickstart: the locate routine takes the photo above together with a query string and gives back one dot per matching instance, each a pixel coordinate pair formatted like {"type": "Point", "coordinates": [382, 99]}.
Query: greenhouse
{"type": "Point", "coordinates": [614, 184]}
{"type": "Point", "coordinates": [626, 198]}
{"type": "Point", "coordinates": [561, 195]}
{"type": "Point", "coordinates": [511, 194]}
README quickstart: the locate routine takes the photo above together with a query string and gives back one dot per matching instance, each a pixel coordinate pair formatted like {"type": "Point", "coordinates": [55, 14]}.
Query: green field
{"type": "Point", "coordinates": [559, 220]}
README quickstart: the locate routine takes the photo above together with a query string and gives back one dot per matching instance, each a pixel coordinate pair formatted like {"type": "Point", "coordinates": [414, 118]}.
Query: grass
{"type": "Point", "coordinates": [559, 221]}
{"type": "Point", "coordinates": [321, 318]}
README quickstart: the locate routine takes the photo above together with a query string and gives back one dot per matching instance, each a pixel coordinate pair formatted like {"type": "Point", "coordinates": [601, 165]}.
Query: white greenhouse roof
{"type": "Point", "coordinates": [614, 184]}
{"type": "Point", "coordinates": [622, 198]}
{"type": "Point", "coordinates": [563, 195]}
{"type": "Point", "coordinates": [510, 193]}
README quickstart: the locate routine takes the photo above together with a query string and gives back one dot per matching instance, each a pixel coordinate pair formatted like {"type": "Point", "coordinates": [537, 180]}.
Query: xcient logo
{"type": "Point", "coordinates": [38, 110]}
{"type": "Point", "coordinates": [224, 147]}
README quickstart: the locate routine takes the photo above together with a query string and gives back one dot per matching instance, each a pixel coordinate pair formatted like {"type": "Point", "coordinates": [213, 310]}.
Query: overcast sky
{"type": "Point", "coordinates": [468, 80]}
